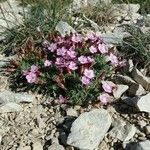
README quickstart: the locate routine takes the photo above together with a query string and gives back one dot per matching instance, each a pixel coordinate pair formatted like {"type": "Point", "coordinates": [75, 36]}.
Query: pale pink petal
{"type": "Point", "coordinates": [82, 59]}
{"type": "Point", "coordinates": [113, 59]}
{"type": "Point", "coordinates": [93, 49]}
{"type": "Point", "coordinates": [47, 63]}
{"type": "Point", "coordinates": [104, 98]}
{"type": "Point", "coordinates": [34, 68]}
{"type": "Point", "coordinates": [52, 47]}
{"type": "Point", "coordinates": [103, 48]}
{"type": "Point", "coordinates": [85, 80]}
{"type": "Point", "coordinates": [76, 38]}
{"type": "Point", "coordinates": [107, 87]}
{"type": "Point", "coordinates": [31, 77]}
{"type": "Point", "coordinates": [89, 73]}
{"type": "Point", "coordinates": [72, 65]}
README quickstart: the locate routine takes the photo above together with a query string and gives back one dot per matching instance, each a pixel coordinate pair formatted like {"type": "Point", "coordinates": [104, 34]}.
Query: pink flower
{"type": "Point", "coordinates": [93, 49]}
{"type": "Point", "coordinates": [31, 77]}
{"type": "Point", "coordinates": [34, 69]}
{"type": "Point", "coordinates": [59, 61]}
{"type": "Point", "coordinates": [104, 98]}
{"type": "Point", "coordinates": [61, 51]}
{"type": "Point", "coordinates": [85, 80]}
{"type": "Point", "coordinates": [76, 38]}
{"type": "Point", "coordinates": [82, 59]}
{"type": "Point", "coordinates": [72, 65]}
{"type": "Point", "coordinates": [61, 99]}
{"type": "Point", "coordinates": [113, 58]}
{"type": "Point", "coordinates": [89, 73]}
{"type": "Point", "coordinates": [90, 60]}
{"type": "Point", "coordinates": [103, 48]}
{"type": "Point", "coordinates": [71, 53]}
{"type": "Point", "coordinates": [107, 87]}
{"type": "Point", "coordinates": [52, 47]}
{"type": "Point", "coordinates": [47, 63]}
{"type": "Point", "coordinates": [92, 36]}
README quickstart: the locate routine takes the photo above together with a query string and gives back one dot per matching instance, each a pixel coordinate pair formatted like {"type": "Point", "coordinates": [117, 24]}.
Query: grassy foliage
{"type": "Point", "coordinates": [102, 14]}
{"type": "Point", "coordinates": [137, 46]}
{"type": "Point", "coordinates": [44, 14]}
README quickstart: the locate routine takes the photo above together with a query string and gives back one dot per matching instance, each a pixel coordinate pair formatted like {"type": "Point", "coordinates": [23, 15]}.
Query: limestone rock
{"type": "Point", "coordinates": [120, 89]}
{"type": "Point", "coordinates": [64, 28]}
{"type": "Point", "coordinates": [122, 130]}
{"type": "Point", "coordinates": [89, 128]}
{"type": "Point", "coordinates": [37, 146]}
{"type": "Point", "coordinates": [10, 107]}
{"type": "Point", "coordinates": [141, 79]}
{"type": "Point", "coordinates": [72, 112]}
{"type": "Point", "coordinates": [11, 10]}
{"type": "Point", "coordinates": [134, 88]}
{"type": "Point", "coordinates": [3, 83]}
{"type": "Point", "coordinates": [8, 96]}
{"type": "Point", "coordinates": [24, 148]}
{"type": "Point", "coordinates": [56, 147]}
{"type": "Point", "coordinates": [147, 128]}
{"type": "Point", "coordinates": [111, 38]}
{"type": "Point", "coordinates": [145, 145]}
{"type": "Point", "coordinates": [141, 102]}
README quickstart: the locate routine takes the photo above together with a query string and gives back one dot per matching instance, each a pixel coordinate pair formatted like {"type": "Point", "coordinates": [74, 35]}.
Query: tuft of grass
{"type": "Point", "coordinates": [102, 13]}
{"type": "Point", "coordinates": [137, 47]}
{"type": "Point", "coordinates": [43, 13]}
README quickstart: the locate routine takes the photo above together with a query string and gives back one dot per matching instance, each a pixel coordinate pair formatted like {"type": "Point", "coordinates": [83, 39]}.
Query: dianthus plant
{"type": "Point", "coordinates": [69, 68]}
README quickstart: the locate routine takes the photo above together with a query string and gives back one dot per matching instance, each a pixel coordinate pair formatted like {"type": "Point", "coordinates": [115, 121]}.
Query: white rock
{"type": "Point", "coordinates": [77, 4]}
{"type": "Point", "coordinates": [143, 103]}
{"type": "Point", "coordinates": [119, 90]}
{"type": "Point", "coordinates": [111, 38]}
{"type": "Point", "coordinates": [11, 10]}
{"type": "Point", "coordinates": [122, 130]}
{"type": "Point", "coordinates": [142, 123]}
{"type": "Point", "coordinates": [8, 96]}
{"type": "Point", "coordinates": [72, 112]}
{"type": "Point", "coordinates": [141, 79]}
{"type": "Point", "coordinates": [89, 129]}
{"type": "Point", "coordinates": [10, 107]}
{"type": "Point", "coordinates": [64, 28]}
{"type": "Point", "coordinates": [3, 83]}
{"type": "Point", "coordinates": [37, 146]}
{"type": "Point", "coordinates": [134, 88]}
{"type": "Point", "coordinates": [0, 138]}
{"type": "Point", "coordinates": [147, 128]}
{"type": "Point", "coordinates": [56, 147]}
{"type": "Point", "coordinates": [129, 67]}
{"type": "Point", "coordinates": [125, 9]}
{"type": "Point", "coordinates": [3, 64]}
{"type": "Point", "coordinates": [24, 148]}
{"type": "Point", "coordinates": [144, 145]}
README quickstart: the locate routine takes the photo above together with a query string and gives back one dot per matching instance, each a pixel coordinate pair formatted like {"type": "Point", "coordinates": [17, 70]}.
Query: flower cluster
{"type": "Point", "coordinates": [108, 89]}
{"type": "Point", "coordinates": [75, 55]}
{"type": "Point", "coordinates": [31, 75]}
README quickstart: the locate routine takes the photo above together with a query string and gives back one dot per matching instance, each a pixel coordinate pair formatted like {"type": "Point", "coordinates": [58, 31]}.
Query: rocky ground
{"type": "Point", "coordinates": [33, 122]}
